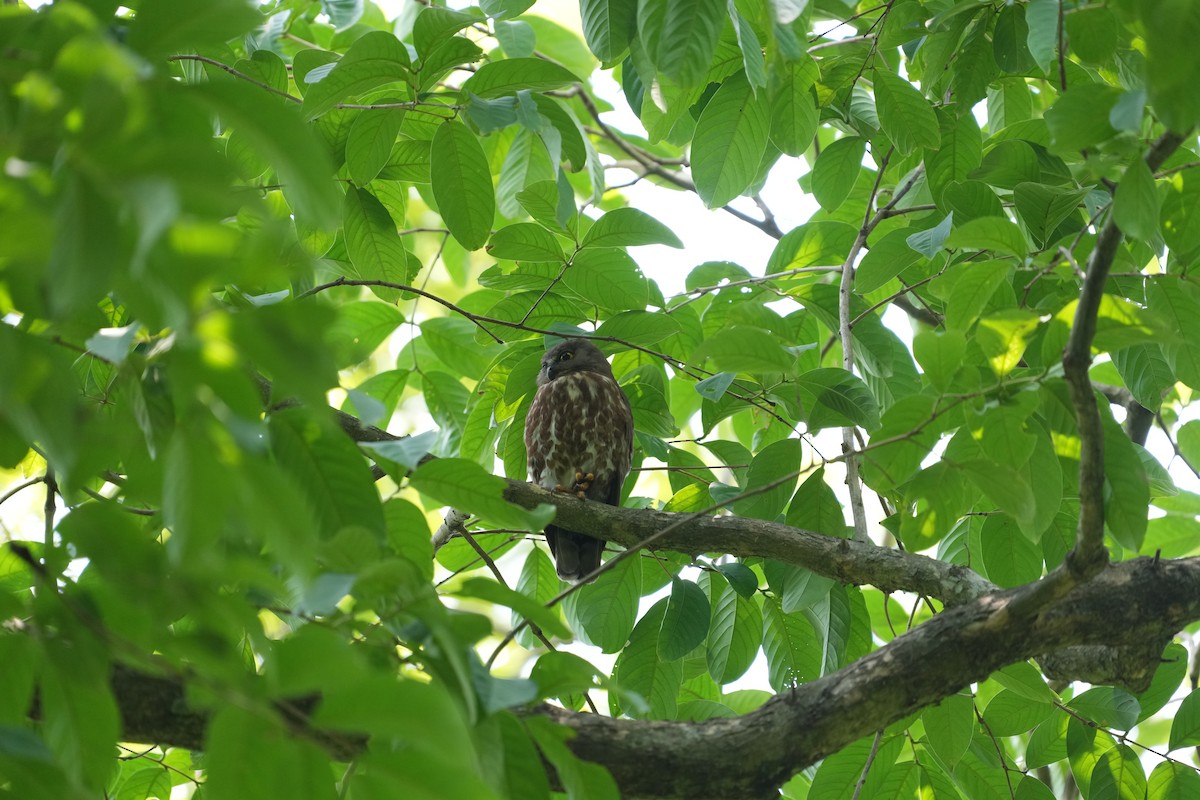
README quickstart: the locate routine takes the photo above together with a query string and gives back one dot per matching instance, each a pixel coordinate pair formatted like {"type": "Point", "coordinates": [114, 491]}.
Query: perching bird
{"type": "Point", "coordinates": [579, 439]}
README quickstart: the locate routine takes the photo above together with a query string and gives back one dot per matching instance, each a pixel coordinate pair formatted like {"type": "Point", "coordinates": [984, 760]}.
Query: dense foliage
{"type": "Point", "coordinates": [275, 282]}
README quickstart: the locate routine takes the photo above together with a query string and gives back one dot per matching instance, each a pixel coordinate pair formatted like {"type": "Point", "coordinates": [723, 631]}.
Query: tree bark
{"type": "Point", "coordinates": [1131, 607]}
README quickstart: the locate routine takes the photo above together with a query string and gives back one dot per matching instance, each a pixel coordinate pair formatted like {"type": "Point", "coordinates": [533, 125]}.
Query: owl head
{"type": "Point", "coordinates": [573, 355]}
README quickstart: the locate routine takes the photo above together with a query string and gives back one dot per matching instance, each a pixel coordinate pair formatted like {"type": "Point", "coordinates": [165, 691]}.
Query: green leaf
{"type": "Point", "coordinates": [836, 170]}
{"type": "Point", "coordinates": [1185, 728]}
{"type": "Point", "coordinates": [1009, 557]}
{"type": "Point", "coordinates": [377, 58]}
{"type": "Point", "coordinates": [1127, 492]}
{"type": "Point", "coordinates": [735, 634]}
{"type": "Point", "coordinates": [958, 155]}
{"type": "Point", "coordinates": [1170, 29]}
{"type": "Point", "coordinates": [608, 26]}
{"type": "Point", "coordinates": [1023, 679]}
{"type": "Point", "coordinates": [745, 349]}
{"type": "Point", "coordinates": [791, 646]}
{"type": "Point", "coordinates": [170, 26]}
{"type": "Point", "coordinates": [639, 668]}
{"type": "Point", "coordinates": [834, 397]}
{"type": "Point", "coordinates": [971, 199]}
{"type": "Point", "coordinates": [1041, 17]}
{"type": "Point", "coordinates": [279, 135]}
{"type": "Point", "coordinates": [777, 463]}
{"type": "Point", "coordinates": [79, 715]}
{"type": "Point", "coordinates": [538, 581]}
{"type": "Point", "coordinates": [639, 327]}
{"type": "Point", "coordinates": [939, 354]}
{"type": "Point", "coordinates": [462, 183]}
{"type": "Point", "coordinates": [1079, 118]}
{"type": "Point", "coordinates": [1010, 714]}
{"type": "Point", "coordinates": [369, 145]}
{"type": "Point", "coordinates": [1003, 337]}
{"type": "Point", "coordinates": [904, 114]}
{"type": "Point", "coordinates": [582, 780]}
{"type": "Point", "coordinates": [1172, 668]}
{"type": "Point", "coordinates": [819, 243]}
{"type": "Point", "coordinates": [794, 113]}
{"type": "Point", "coordinates": [545, 618]}
{"type": "Point", "coordinates": [950, 726]}
{"type": "Point", "coordinates": [372, 242]}
{"type": "Point", "coordinates": [740, 577]}
{"type": "Point", "coordinates": [1093, 33]}
{"type": "Point", "coordinates": [1010, 162]}
{"type": "Point", "coordinates": [409, 162]}
{"type": "Point", "coordinates": [752, 50]}
{"type": "Point", "coordinates": [329, 469]}
{"type": "Point", "coordinates": [685, 623]}
{"type": "Point", "coordinates": [886, 258]}
{"type": "Point", "coordinates": [511, 75]}
{"type": "Point", "coordinates": [887, 466]}
{"type": "Point", "coordinates": [714, 387]}
{"type": "Point", "coordinates": [1108, 706]}
{"type": "Point", "coordinates": [974, 285]}
{"type": "Point", "coordinates": [359, 329]}
{"type": "Point", "coordinates": [1009, 41]}
{"type": "Point", "coordinates": [466, 486]}
{"type": "Point", "coordinates": [434, 25]}
{"type": "Point", "coordinates": [1042, 208]}
{"type": "Point", "coordinates": [282, 765]}
{"type": "Point", "coordinates": [607, 608]}
{"type": "Point", "coordinates": [731, 135]}
{"type": "Point", "coordinates": [628, 227]}
{"type": "Point", "coordinates": [608, 277]}
{"type": "Point", "coordinates": [687, 39]}
{"type": "Point", "coordinates": [929, 242]}
{"type": "Point", "coordinates": [1172, 780]}
{"type": "Point", "coordinates": [1136, 204]}
{"type": "Point", "coordinates": [525, 241]}
{"type": "Point", "coordinates": [1048, 742]}
{"type": "Point", "coordinates": [989, 233]}
{"type": "Point", "coordinates": [816, 508]}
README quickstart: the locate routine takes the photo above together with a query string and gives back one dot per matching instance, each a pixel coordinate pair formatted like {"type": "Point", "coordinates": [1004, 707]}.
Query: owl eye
{"type": "Point", "coordinates": [566, 356]}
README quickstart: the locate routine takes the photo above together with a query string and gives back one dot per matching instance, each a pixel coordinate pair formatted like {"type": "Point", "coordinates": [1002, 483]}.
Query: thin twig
{"type": "Point", "coordinates": [862, 776]}
{"type": "Point", "coordinates": [845, 290]}
{"type": "Point", "coordinates": [31, 482]}
{"type": "Point", "coordinates": [237, 74]}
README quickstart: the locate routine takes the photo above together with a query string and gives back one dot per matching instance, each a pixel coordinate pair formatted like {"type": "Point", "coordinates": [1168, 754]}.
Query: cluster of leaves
{"type": "Point", "coordinates": [217, 217]}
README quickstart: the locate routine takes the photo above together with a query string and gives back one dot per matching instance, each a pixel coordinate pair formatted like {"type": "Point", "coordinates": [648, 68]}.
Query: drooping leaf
{"type": "Point", "coordinates": [462, 184]}
{"type": "Point", "coordinates": [731, 135]}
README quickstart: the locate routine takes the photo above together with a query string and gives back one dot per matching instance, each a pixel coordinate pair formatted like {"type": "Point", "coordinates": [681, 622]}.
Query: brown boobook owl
{"type": "Point", "coordinates": [579, 438]}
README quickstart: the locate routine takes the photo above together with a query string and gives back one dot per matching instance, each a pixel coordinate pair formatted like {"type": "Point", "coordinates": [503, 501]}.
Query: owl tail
{"type": "Point", "coordinates": [575, 555]}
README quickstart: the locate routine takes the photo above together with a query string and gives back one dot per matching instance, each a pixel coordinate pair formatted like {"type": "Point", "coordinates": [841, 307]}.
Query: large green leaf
{"type": "Point", "coordinates": [736, 631]}
{"type": "Point", "coordinates": [467, 487]}
{"type": "Point", "coordinates": [376, 59]}
{"type": "Point", "coordinates": [904, 113]}
{"type": "Point", "coordinates": [608, 26]}
{"type": "Point", "coordinates": [836, 170]}
{"type": "Point", "coordinates": [687, 39]}
{"type": "Point", "coordinates": [1170, 27]}
{"type": "Point", "coordinates": [375, 248]}
{"type": "Point", "coordinates": [462, 184]}
{"type": "Point", "coordinates": [626, 227]}
{"type": "Point", "coordinates": [511, 75]}
{"type": "Point", "coordinates": [731, 135]}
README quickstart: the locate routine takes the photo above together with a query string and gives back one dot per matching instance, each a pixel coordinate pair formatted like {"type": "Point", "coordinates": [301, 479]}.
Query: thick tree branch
{"type": "Point", "coordinates": [844, 560]}
{"type": "Point", "coordinates": [1135, 607]}
{"type": "Point", "coordinates": [1089, 554]}
{"type": "Point", "coordinates": [1139, 603]}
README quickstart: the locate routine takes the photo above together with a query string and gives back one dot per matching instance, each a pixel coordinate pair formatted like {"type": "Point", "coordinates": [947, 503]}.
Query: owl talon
{"type": "Point", "coordinates": [583, 482]}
